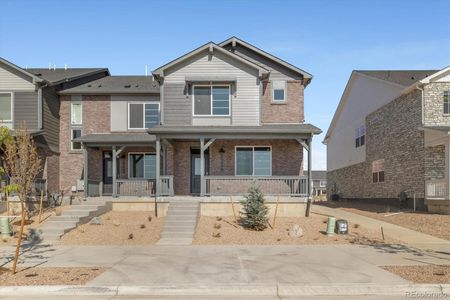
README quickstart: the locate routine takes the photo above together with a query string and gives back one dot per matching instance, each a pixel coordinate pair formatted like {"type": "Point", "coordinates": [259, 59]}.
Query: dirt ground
{"type": "Point", "coordinates": [313, 227]}
{"type": "Point", "coordinates": [432, 224]}
{"type": "Point", "coordinates": [118, 228]}
{"type": "Point", "coordinates": [422, 274]}
{"type": "Point", "coordinates": [32, 224]}
{"type": "Point", "coordinates": [49, 276]}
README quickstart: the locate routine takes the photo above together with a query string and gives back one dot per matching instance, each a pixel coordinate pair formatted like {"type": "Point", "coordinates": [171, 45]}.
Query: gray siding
{"type": "Point", "coordinates": [119, 109]}
{"type": "Point", "coordinates": [12, 80]}
{"type": "Point", "coordinates": [50, 117]}
{"type": "Point", "coordinates": [177, 105]}
{"type": "Point", "coordinates": [26, 110]}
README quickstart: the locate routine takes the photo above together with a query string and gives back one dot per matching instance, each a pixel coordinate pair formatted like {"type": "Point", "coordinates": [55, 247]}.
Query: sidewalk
{"type": "Point", "coordinates": [410, 237]}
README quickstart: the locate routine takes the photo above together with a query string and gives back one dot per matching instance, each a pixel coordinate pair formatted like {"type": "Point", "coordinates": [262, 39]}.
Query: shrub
{"type": "Point", "coordinates": [254, 214]}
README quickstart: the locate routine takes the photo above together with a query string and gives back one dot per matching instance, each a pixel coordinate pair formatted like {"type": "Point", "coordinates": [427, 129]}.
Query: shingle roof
{"type": "Point", "coordinates": [319, 175]}
{"type": "Point", "coordinates": [117, 85]}
{"type": "Point", "coordinates": [60, 75]}
{"type": "Point", "coordinates": [111, 138]}
{"type": "Point", "coordinates": [401, 77]}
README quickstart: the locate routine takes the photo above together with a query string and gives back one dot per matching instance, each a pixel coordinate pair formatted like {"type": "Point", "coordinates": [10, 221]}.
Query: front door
{"type": "Point", "coordinates": [107, 172]}
{"type": "Point", "coordinates": [195, 170]}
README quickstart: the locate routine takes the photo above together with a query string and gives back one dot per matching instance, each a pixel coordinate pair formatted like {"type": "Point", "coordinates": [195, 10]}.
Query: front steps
{"type": "Point", "coordinates": [73, 216]}
{"type": "Point", "coordinates": [180, 223]}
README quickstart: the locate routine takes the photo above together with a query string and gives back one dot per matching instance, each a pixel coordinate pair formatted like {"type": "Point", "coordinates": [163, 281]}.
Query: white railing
{"type": "Point", "coordinates": [270, 185]}
{"type": "Point", "coordinates": [166, 185]}
{"type": "Point", "coordinates": [437, 189]}
{"type": "Point", "coordinates": [145, 187]}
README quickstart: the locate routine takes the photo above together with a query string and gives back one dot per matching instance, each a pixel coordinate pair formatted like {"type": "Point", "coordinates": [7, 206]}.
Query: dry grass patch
{"type": "Point", "coordinates": [229, 233]}
{"type": "Point", "coordinates": [49, 276]}
{"type": "Point", "coordinates": [117, 228]}
{"type": "Point", "coordinates": [432, 224]}
{"type": "Point", "coordinates": [422, 274]}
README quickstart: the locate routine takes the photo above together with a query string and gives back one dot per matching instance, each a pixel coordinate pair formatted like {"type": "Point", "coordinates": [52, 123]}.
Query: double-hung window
{"type": "Point", "coordinates": [141, 165]}
{"type": "Point", "coordinates": [378, 171]}
{"type": "Point", "coordinates": [447, 102]}
{"type": "Point", "coordinates": [253, 161]}
{"type": "Point", "coordinates": [5, 107]}
{"type": "Point", "coordinates": [76, 121]}
{"type": "Point", "coordinates": [211, 100]}
{"type": "Point", "coordinates": [143, 115]}
{"type": "Point", "coordinates": [360, 136]}
{"type": "Point", "coordinates": [279, 91]}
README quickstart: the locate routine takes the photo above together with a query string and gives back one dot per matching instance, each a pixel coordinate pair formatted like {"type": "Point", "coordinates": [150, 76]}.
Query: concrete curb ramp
{"type": "Point", "coordinates": [280, 290]}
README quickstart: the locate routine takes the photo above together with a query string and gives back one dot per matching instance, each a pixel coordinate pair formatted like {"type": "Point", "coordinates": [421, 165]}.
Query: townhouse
{"type": "Point", "coordinates": [389, 140]}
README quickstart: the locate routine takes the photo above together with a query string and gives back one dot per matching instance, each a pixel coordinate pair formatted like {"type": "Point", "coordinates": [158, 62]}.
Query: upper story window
{"type": "Point", "coordinates": [447, 102]}
{"type": "Point", "coordinates": [279, 91]}
{"type": "Point", "coordinates": [323, 183]}
{"type": "Point", "coordinates": [360, 136]}
{"type": "Point", "coordinates": [378, 171]}
{"type": "Point", "coordinates": [211, 100]}
{"type": "Point", "coordinates": [143, 115]}
{"type": "Point", "coordinates": [253, 161]}
{"type": "Point", "coordinates": [76, 113]}
{"type": "Point", "coordinates": [5, 107]}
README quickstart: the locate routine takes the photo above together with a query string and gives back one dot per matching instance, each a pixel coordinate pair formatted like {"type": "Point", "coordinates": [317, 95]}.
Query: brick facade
{"type": "Point", "coordinates": [292, 111]}
{"type": "Point", "coordinates": [435, 162]}
{"type": "Point", "coordinates": [433, 101]}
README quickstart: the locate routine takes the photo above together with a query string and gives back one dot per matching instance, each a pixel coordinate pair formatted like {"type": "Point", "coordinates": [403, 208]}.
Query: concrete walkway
{"type": "Point", "coordinates": [180, 223]}
{"type": "Point", "coordinates": [410, 237]}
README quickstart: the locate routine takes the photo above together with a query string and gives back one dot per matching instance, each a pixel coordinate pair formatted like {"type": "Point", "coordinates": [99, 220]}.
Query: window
{"type": "Point", "coordinates": [6, 107]}
{"type": "Point", "coordinates": [254, 161]}
{"type": "Point", "coordinates": [211, 100]}
{"type": "Point", "coordinates": [360, 136]}
{"type": "Point", "coordinates": [143, 115]}
{"type": "Point", "coordinates": [323, 183]}
{"type": "Point", "coordinates": [378, 171]}
{"type": "Point", "coordinates": [142, 165]}
{"type": "Point", "coordinates": [76, 113]}
{"type": "Point", "coordinates": [279, 91]}
{"type": "Point", "coordinates": [76, 133]}
{"type": "Point", "coordinates": [447, 102]}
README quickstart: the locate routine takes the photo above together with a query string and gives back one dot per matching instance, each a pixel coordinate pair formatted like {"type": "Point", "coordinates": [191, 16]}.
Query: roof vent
{"type": "Point", "coordinates": [38, 74]}
{"type": "Point", "coordinates": [99, 85]}
{"type": "Point", "coordinates": [137, 85]}
{"type": "Point", "coordinates": [412, 78]}
{"type": "Point", "coordinates": [89, 85]}
{"type": "Point", "coordinates": [127, 86]}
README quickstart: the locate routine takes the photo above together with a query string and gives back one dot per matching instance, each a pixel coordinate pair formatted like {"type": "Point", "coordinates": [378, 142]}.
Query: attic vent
{"type": "Point", "coordinates": [412, 78]}
{"type": "Point", "coordinates": [136, 85]}
{"type": "Point", "coordinates": [99, 85]}
{"type": "Point", "coordinates": [127, 86]}
{"type": "Point", "coordinates": [89, 85]}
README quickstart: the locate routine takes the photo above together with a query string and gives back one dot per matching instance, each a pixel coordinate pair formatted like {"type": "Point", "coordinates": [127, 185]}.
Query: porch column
{"type": "Point", "coordinates": [158, 166]}
{"type": "Point", "coordinates": [308, 205]}
{"type": "Point", "coordinates": [202, 167]}
{"type": "Point", "coordinates": [114, 172]}
{"type": "Point", "coordinates": [85, 172]}
{"type": "Point", "coordinates": [447, 166]}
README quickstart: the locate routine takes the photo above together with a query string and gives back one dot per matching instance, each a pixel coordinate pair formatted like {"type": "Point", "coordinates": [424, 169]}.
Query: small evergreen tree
{"type": "Point", "coordinates": [254, 214]}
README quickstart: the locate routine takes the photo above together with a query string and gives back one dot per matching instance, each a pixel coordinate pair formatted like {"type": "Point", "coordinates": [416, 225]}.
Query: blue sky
{"type": "Point", "coordinates": [326, 38]}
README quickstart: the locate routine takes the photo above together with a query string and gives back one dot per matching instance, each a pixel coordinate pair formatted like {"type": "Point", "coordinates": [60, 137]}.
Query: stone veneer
{"type": "Point", "coordinates": [291, 111]}
{"type": "Point", "coordinates": [435, 162]}
{"type": "Point", "coordinates": [393, 134]}
{"type": "Point", "coordinates": [433, 101]}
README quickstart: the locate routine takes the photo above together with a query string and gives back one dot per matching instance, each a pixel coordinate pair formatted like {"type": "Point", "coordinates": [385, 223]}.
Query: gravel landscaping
{"type": "Point", "coordinates": [422, 274]}
{"type": "Point", "coordinates": [117, 228]}
{"type": "Point", "coordinates": [224, 231]}
{"type": "Point", "coordinates": [432, 224]}
{"type": "Point", "coordinates": [49, 276]}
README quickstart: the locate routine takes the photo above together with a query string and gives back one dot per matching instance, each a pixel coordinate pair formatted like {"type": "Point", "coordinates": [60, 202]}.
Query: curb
{"type": "Point", "coordinates": [280, 290]}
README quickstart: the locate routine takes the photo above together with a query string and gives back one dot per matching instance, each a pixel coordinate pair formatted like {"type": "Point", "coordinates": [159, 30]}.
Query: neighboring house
{"type": "Point", "coordinates": [208, 123]}
{"type": "Point", "coordinates": [29, 97]}
{"type": "Point", "coordinates": [390, 134]}
{"type": "Point", "coordinates": [319, 179]}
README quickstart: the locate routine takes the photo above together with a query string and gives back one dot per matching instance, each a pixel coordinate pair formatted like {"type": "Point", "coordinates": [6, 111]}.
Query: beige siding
{"type": "Point", "coordinates": [245, 102]}
{"type": "Point", "coordinates": [10, 81]}
{"type": "Point", "coordinates": [213, 121]}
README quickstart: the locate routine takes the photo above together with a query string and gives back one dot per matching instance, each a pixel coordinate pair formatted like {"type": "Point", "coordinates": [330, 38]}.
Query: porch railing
{"type": "Point", "coordinates": [270, 185]}
{"type": "Point", "coordinates": [166, 185]}
{"type": "Point", "coordinates": [136, 187]}
{"type": "Point", "coordinates": [437, 189]}
{"type": "Point", "coordinates": [94, 188]}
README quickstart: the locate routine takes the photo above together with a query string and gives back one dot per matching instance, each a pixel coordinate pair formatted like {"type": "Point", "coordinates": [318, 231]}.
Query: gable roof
{"type": "Point", "coordinates": [233, 40]}
{"type": "Point", "coordinates": [210, 46]}
{"type": "Point", "coordinates": [55, 76]}
{"type": "Point", "coordinates": [33, 77]}
{"type": "Point", "coordinates": [319, 175]}
{"type": "Point", "coordinates": [400, 78]}
{"type": "Point", "coordinates": [117, 85]}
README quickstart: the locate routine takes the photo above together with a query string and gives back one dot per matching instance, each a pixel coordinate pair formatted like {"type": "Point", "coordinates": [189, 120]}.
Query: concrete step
{"type": "Point", "coordinates": [63, 218]}
{"type": "Point", "coordinates": [186, 211]}
{"type": "Point", "coordinates": [182, 214]}
{"type": "Point", "coordinates": [88, 207]}
{"type": "Point", "coordinates": [180, 223]}
{"type": "Point", "coordinates": [175, 241]}
{"type": "Point", "coordinates": [63, 224]}
{"type": "Point", "coordinates": [177, 234]}
{"type": "Point", "coordinates": [78, 213]}
{"type": "Point", "coordinates": [178, 229]}
{"type": "Point", "coordinates": [180, 217]}
{"type": "Point", "coordinates": [175, 225]}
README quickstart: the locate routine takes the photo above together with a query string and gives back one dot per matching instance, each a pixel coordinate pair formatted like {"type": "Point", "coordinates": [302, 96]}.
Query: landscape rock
{"type": "Point", "coordinates": [96, 221]}
{"type": "Point", "coordinates": [296, 231]}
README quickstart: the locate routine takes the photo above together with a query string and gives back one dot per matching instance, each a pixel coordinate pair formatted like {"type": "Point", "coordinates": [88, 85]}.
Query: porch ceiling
{"type": "Point", "coordinates": [272, 131]}
{"type": "Point", "coordinates": [114, 139]}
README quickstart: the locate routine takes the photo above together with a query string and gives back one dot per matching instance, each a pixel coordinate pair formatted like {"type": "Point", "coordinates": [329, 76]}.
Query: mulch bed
{"type": "Point", "coordinates": [422, 274]}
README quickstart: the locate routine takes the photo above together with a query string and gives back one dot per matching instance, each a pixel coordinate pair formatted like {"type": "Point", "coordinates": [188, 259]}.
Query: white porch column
{"type": "Point", "coordinates": [308, 205]}
{"type": "Point", "coordinates": [202, 168]}
{"type": "Point", "coordinates": [85, 171]}
{"type": "Point", "coordinates": [114, 171]}
{"type": "Point", "coordinates": [158, 166]}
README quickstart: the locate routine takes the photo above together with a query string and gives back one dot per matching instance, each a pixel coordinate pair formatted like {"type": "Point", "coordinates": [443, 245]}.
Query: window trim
{"type": "Point", "coordinates": [211, 100]}
{"type": "Point", "coordinates": [71, 110]}
{"type": "Point", "coordinates": [379, 172]}
{"type": "Point", "coordinates": [129, 165]}
{"type": "Point", "coordinates": [253, 162]}
{"type": "Point", "coordinates": [446, 103]}
{"type": "Point", "coordinates": [143, 113]}
{"type": "Point", "coordinates": [322, 183]}
{"type": "Point", "coordinates": [71, 138]}
{"type": "Point", "coordinates": [284, 89]}
{"type": "Point", "coordinates": [359, 138]}
{"type": "Point", "coordinates": [12, 108]}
